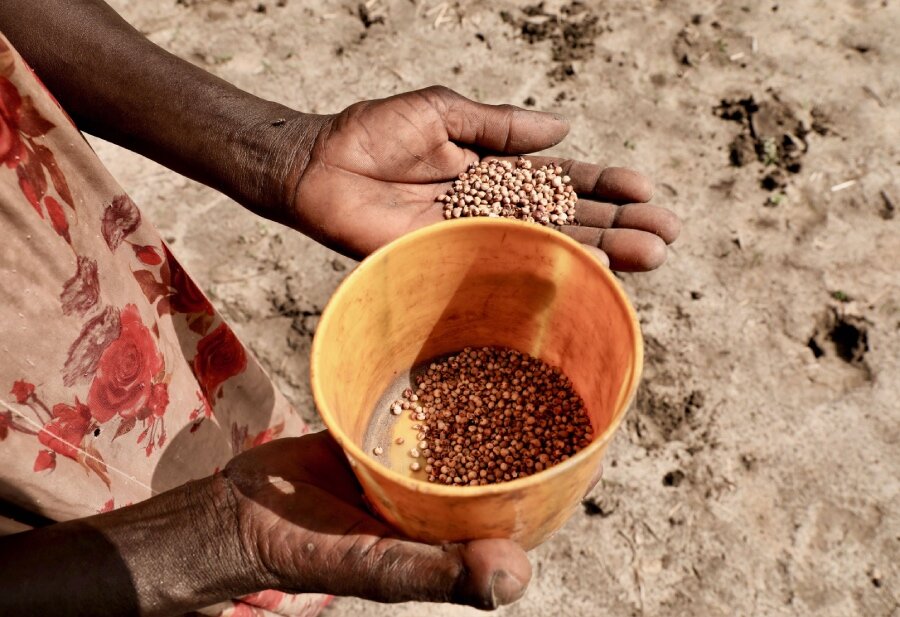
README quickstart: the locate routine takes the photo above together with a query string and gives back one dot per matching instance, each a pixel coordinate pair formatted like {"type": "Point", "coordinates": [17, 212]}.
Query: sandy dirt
{"type": "Point", "coordinates": [759, 472]}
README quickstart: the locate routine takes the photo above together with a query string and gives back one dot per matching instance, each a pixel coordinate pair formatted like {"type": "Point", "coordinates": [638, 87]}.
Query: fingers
{"type": "Point", "coordinates": [499, 128]}
{"type": "Point", "coordinates": [660, 221]}
{"type": "Point", "coordinates": [629, 250]}
{"type": "Point", "coordinates": [600, 255]}
{"type": "Point", "coordinates": [497, 572]}
{"type": "Point", "coordinates": [483, 573]}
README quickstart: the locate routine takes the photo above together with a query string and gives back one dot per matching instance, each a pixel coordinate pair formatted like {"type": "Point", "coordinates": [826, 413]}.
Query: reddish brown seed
{"type": "Point", "coordinates": [493, 408]}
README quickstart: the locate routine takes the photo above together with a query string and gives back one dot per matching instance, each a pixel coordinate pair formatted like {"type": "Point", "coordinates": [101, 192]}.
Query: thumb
{"type": "Point", "coordinates": [482, 573]}
{"type": "Point", "coordinates": [498, 128]}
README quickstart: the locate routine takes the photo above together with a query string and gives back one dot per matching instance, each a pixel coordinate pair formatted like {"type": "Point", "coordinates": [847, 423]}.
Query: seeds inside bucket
{"type": "Point", "coordinates": [503, 189]}
{"type": "Point", "coordinates": [493, 414]}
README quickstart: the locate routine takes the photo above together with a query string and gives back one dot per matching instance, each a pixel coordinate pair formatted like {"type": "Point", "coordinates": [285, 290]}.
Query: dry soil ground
{"type": "Point", "coordinates": [759, 472]}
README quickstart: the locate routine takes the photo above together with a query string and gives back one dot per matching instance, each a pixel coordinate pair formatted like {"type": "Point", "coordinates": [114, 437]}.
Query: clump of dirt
{"type": "Point", "coordinates": [846, 336]}
{"type": "Point", "coordinates": [288, 301]}
{"type": "Point", "coordinates": [673, 478]}
{"type": "Point", "coordinates": [571, 33]}
{"type": "Point", "coordinates": [368, 17]}
{"type": "Point", "coordinates": [699, 43]}
{"type": "Point", "coordinates": [771, 134]}
{"type": "Point", "coordinates": [888, 209]}
{"type": "Point", "coordinates": [660, 418]}
{"type": "Point", "coordinates": [603, 505]}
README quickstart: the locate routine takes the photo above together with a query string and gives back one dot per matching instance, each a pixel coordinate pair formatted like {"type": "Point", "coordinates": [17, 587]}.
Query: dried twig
{"type": "Point", "coordinates": [842, 186]}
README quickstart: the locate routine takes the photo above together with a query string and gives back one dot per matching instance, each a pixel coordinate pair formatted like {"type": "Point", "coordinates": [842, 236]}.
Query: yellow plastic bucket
{"type": "Point", "coordinates": [475, 283]}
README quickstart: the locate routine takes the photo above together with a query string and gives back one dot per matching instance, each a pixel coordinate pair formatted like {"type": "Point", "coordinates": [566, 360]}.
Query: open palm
{"type": "Point", "coordinates": [376, 168]}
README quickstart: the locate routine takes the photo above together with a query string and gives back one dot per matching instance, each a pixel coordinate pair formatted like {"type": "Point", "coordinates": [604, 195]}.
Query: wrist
{"type": "Point", "coordinates": [272, 146]}
{"type": "Point", "coordinates": [183, 548]}
{"type": "Point", "coordinates": [233, 567]}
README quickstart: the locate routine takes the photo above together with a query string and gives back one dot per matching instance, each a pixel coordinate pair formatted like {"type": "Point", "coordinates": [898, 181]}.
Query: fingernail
{"type": "Point", "coordinates": [505, 588]}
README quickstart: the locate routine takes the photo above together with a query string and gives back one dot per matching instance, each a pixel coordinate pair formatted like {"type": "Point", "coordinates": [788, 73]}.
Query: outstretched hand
{"type": "Point", "coordinates": [375, 169]}
{"type": "Point", "coordinates": [303, 522]}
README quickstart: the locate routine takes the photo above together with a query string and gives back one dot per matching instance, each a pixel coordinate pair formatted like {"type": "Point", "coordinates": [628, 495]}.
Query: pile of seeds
{"type": "Point", "coordinates": [492, 414]}
{"type": "Point", "coordinates": [501, 189]}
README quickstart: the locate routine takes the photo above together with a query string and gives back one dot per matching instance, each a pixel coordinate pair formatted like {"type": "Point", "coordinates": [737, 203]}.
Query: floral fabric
{"type": "Point", "coordinates": [118, 378]}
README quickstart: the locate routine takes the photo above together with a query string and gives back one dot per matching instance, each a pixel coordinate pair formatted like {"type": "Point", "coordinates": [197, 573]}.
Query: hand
{"type": "Point", "coordinates": [375, 169]}
{"type": "Point", "coordinates": [303, 522]}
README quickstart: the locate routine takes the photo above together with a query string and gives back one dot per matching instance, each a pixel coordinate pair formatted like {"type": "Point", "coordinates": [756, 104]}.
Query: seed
{"type": "Point", "coordinates": [415, 466]}
{"type": "Point", "coordinates": [378, 451]}
{"type": "Point", "coordinates": [399, 441]}
{"type": "Point", "coordinates": [493, 414]}
{"type": "Point", "coordinates": [497, 188]}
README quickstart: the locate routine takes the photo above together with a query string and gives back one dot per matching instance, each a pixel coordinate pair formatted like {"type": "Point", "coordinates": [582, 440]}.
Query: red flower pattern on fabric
{"type": "Point", "coordinates": [85, 351]}
{"type": "Point", "coordinates": [20, 124]}
{"type": "Point", "coordinates": [10, 141]}
{"type": "Point", "coordinates": [147, 254]}
{"type": "Point", "coordinates": [22, 391]}
{"type": "Point", "coordinates": [114, 357]}
{"type": "Point", "coordinates": [65, 432]}
{"type": "Point", "coordinates": [269, 599]}
{"type": "Point", "coordinates": [122, 384]}
{"type": "Point", "coordinates": [121, 218]}
{"type": "Point", "coordinates": [220, 356]}
{"type": "Point", "coordinates": [242, 440]}
{"type": "Point", "coordinates": [81, 292]}
{"type": "Point", "coordinates": [159, 399]}
{"type": "Point", "coordinates": [6, 422]}
{"type": "Point", "coordinates": [57, 217]}
{"type": "Point", "coordinates": [171, 289]}
{"type": "Point", "coordinates": [187, 297]}
{"type": "Point", "coordinates": [267, 435]}
{"type": "Point", "coordinates": [46, 459]}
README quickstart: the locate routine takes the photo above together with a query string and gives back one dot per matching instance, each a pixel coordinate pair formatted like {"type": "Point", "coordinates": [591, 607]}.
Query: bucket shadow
{"type": "Point", "coordinates": [200, 449]}
{"type": "Point", "coordinates": [490, 310]}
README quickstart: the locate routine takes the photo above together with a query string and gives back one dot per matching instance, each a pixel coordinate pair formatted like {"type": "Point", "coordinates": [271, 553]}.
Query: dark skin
{"type": "Point", "coordinates": [353, 180]}
{"type": "Point", "coordinates": [376, 168]}
{"type": "Point", "coordinates": [287, 515]}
